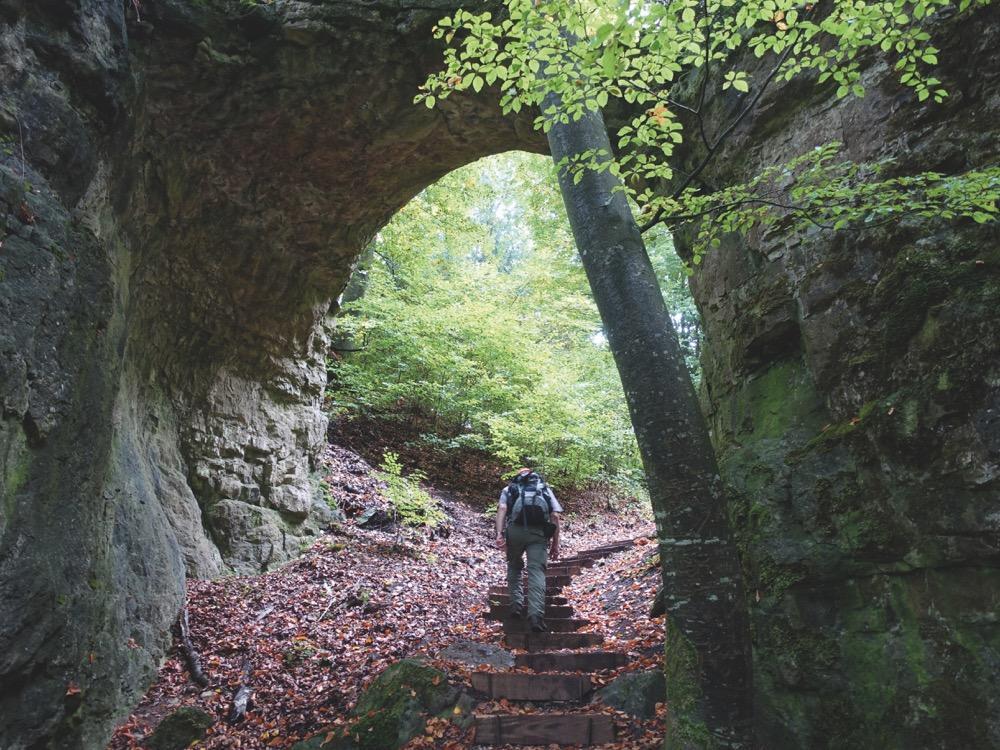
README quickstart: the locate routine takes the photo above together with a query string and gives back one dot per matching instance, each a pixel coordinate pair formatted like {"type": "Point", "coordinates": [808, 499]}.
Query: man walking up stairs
{"type": "Point", "coordinates": [557, 674]}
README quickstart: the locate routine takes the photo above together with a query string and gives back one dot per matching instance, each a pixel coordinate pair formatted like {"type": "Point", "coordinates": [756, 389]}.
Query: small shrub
{"type": "Point", "coordinates": [412, 505]}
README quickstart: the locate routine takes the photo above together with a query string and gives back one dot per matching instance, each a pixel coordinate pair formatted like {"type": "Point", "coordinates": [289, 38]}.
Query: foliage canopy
{"type": "Point", "coordinates": [671, 64]}
{"type": "Point", "coordinates": [476, 314]}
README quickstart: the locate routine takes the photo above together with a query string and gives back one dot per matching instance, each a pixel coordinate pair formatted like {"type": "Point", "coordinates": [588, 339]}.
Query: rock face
{"type": "Point", "coordinates": [183, 198]}
{"type": "Point", "coordinates": [852, 384]}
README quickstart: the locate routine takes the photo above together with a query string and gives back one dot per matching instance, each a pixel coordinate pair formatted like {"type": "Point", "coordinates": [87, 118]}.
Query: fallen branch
{"type": "Point", "coordinates": [243, 698]}
{"type": "Point", "coordinates": [190, 655]}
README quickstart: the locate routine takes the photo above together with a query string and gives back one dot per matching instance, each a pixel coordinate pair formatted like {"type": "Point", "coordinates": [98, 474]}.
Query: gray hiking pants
{"type": "Point", "coordinates": [530, 541]}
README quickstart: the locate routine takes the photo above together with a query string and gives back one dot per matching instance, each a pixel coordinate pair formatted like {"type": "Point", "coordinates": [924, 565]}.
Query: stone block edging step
{"type": "Point", "coordinates": [552, 641]}
{"type": "Point", "coordinates": [502, 612]}
{"type": "Point", "coordinates": [532, 687]}
{"type": "Point", "coordinates": [543, 729]}
{"type": "Point", "coordinates": [503, 600]}
{"type": "Point", "coordinates": [570, 661]}
{"type": "Point", "coordinates": [554, 624]}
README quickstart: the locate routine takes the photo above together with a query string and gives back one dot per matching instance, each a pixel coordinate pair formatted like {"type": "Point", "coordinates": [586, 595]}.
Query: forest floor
{"type": "Point", "coordinates": [315, 632]}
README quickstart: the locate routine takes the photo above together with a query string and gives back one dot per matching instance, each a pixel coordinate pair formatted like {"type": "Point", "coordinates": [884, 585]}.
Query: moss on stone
{"type": "Point", "coordinates": [395, 707]}
{"type": "Point", "coordinates": [781, 400]}
{"type": "Point", "coordinates": [180, 729]}
{"type": "Point", "coordinates": [685, 728]}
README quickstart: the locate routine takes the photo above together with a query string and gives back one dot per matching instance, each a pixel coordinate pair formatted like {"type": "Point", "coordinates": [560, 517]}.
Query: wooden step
{"type": "Point", "coordinates": [612, 548]}
{"type": "Point", "coordinates": [592, 556]}
{"type": "Point", "coordinates": [551, 610]}
{"type": "Point", "coordinates": [532, 687]}
{"type": "Point", "coordinates": [502, 590]}
{"type": "Point", "coordinates": [545, 729]}
{"type": "Point", "coordinates": [503, 600]}
{"type": "Point", "coordinates": [552, 641]}
{"type": "Point", "coordinates": [563, 570]}
{"type": "Point", "coordinates": [550, 580]}
{"type": "Point", "coordinates": [571, 662]}
{"type": "Point", "coordinates": [555, 625]}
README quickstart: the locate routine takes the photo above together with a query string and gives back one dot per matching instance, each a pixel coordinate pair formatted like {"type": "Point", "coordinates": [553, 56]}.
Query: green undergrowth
{"type": "Point", "coordinates": [412, 504]}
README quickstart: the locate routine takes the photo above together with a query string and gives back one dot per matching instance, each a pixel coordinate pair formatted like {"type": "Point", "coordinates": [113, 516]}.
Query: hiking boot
{"type": "Point", "coordinates": [518, 611]}
{"type": "Point", "coordinates": [538, 625]}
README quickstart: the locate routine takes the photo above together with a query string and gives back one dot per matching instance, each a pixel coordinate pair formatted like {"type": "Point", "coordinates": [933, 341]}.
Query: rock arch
{"type": "Point", "coordinates": [201, 181]}
{"type": "Point", "coordinates": [194, 187]}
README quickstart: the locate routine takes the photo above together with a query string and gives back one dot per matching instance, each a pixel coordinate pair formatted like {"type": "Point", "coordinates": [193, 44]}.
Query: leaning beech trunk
{"type": "Point", "coordinates": [708, 664]}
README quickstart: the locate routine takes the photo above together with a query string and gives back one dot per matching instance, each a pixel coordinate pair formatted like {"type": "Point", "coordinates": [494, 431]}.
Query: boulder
{"type": "Point", "coordinates": [636, 693]}
{"type": "Point", "coordinates": [394, 709]}
{"type": "Point", "coordinates": [180, 729]}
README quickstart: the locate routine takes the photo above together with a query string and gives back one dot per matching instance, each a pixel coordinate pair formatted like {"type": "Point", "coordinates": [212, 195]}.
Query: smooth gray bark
{"type": "Point", "coordinates": [703, 585]}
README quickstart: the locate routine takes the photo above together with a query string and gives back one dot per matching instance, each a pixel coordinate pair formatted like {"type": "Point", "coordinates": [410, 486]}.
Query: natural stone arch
{"type": "Point", "coordinates": [273, 151]}
{"type": "Point", "coordinates": [208, 176]}
{"type": "Point", "coordinates": [144, 347]}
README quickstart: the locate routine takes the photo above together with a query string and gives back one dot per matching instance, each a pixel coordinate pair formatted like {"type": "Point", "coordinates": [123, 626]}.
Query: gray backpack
{"type": "Point", "coordinates": [528, 502]}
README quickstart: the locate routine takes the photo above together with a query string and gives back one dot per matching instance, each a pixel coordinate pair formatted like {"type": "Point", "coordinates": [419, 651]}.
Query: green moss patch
{"type": "Point", "coordinates": [395, 708]}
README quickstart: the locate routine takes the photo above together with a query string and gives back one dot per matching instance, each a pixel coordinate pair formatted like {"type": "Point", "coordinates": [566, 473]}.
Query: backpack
{"type": "Point", "coordinates": [528, 501]}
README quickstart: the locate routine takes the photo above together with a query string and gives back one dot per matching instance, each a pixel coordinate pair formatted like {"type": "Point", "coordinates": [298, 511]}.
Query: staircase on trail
{"type": "Point", "coordinates": [561, 661]}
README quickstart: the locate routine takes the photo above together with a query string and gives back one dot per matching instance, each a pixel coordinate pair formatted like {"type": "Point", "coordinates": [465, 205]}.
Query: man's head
{"type": "Point", "coordinates": [523, 470]}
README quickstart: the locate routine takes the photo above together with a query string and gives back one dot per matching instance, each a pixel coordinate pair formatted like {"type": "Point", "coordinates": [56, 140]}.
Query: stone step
{"type": "Point", "coordinates": [552, 641]}
{"type": "Point", "coordinates": [555, 625]}
{"type": "Point", "coordinates": [551, 610]}
{"type": "Point", "coordinates": [545, 729]}
{"type": "Point", "coordinates": [568, 661]}
{"type": "Point", "coordinates": [503, 600]}
{"type": "Point", "coordinates": [532, 687]}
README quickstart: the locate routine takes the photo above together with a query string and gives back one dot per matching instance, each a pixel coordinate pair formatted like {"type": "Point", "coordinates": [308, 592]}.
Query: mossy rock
{"type": "Point", "coordinates": [180, 729]}
{"type": "Point", "coordinates": [395, 708]}
{"type": "Point", "coordinates": [636, 693]}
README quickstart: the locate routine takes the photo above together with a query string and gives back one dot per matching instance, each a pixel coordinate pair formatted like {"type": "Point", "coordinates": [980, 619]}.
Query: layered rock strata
{"type": "Point", "coordinates": [852, 384]}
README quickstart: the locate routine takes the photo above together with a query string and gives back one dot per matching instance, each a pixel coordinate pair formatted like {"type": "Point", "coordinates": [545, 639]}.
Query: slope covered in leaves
{"type": "Point", "coordinates": [314, 633]}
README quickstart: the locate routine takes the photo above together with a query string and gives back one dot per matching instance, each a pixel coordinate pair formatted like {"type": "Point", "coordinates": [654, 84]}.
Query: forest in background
{"type": "Point", "coordinates": [471, 312]}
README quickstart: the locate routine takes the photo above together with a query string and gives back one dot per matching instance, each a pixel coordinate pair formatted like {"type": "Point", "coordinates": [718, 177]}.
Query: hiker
{"type": "Point", "coordinates": [528, 523]}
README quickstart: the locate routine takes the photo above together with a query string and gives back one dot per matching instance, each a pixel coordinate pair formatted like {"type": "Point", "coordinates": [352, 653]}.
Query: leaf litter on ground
{"type": "Point", "coordinates": [318, 630]}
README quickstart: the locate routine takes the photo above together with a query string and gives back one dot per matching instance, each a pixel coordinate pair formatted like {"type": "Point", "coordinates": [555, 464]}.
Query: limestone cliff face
{"type": "Point", "coordinates": [852, 384]}
{"type": "Point", "coordinates": [183, 198]}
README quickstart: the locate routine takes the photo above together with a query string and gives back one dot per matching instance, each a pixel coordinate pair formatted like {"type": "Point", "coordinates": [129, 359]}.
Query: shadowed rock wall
{"type": "Point", "coordinates": [852, 384]}
{"type": "Point", "coordinates": [194, 189]}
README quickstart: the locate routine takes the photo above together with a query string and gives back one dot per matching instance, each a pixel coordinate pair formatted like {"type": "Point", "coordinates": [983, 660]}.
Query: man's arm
{"type": "Point", "coordinates": [554, 544]}
{"type": "Point", "coordinates": [501, 542]}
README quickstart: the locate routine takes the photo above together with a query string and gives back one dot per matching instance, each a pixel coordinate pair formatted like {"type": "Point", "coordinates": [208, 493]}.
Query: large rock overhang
{"type": "Point", "coordinates": [196, 186]}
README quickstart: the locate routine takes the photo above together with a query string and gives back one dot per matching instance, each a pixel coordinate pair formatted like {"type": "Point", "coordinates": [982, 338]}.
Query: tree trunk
{"type": "Point", "coordinates": [704, 598]}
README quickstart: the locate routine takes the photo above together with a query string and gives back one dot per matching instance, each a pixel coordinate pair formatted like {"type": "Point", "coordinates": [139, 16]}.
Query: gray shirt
{"type": "Point", "coordinates": [554, 505]}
